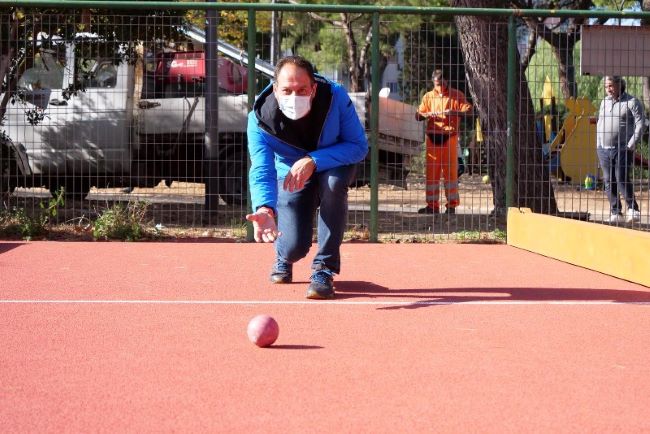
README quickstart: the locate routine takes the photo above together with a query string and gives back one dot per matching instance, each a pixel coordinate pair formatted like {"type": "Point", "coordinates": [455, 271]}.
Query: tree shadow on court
{"type": "Point", "coordinates": [424, 297]}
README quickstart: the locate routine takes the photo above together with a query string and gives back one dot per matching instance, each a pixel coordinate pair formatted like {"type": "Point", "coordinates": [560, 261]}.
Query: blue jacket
{"type": "Point", "coordinates": [331, 134]}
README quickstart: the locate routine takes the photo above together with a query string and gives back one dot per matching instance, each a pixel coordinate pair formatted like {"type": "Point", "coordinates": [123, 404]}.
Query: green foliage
{"type": "Point", "coordinates": [30, 227]}
{"type": "Point", "coordinates": [500, 235]}
{"type": "Point", "coordinates": [239, 228]}
{"type": "Point", "coordinates": [640, 172]}
{"type": "Point", "coordinates": [14, 223]}
{"type": "Point", "coordinates": [544, 63]}
{"type": "Point", "coordinates": [469, 236]}
{"type": "Point", "coordinates": [10, 222]}
{"type": "Point", "coordinates": [322, 38]}
{"type": "Point", "coordinates": [418, 162]}
{"type": "Point", "coordinates": [326, 48]}
{"type": "Point", "coordinates": [432, 45]}
{"type": "Point", "coordinates": [121, 222]}
{"type": "Point", "coordinates": [477, 237]}
{"type": "Point", "coordinates": [18, 222]}
{"type": "Point", "coordinates": [615, 4]}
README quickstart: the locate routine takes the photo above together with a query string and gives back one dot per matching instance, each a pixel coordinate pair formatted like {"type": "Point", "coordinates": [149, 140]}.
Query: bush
{"type": "Point", "coordinates": [121, 222]}
{"type": "Point", "coordinates": [17, 222]}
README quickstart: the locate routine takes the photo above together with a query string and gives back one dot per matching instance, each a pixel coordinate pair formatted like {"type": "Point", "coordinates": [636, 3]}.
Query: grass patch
{"type": "Point", "coordinates": [239, 228]}
{"type": "Point", "coordinates": [16, 222]}
{"type": "Point", "coordinates": [121, 222]}
{"type": "Point", "coordinates": [357, 233]}
{"type": "Point", "coordinates": [497, 236]}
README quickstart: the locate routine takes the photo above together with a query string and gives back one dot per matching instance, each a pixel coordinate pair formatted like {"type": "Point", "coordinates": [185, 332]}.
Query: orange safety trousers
{"type": "Point", "coordinates": [442, 162]}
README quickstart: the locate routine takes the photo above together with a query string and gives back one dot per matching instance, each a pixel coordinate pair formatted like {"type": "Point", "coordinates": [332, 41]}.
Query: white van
{"type": "Point", "coordinates": [82, 121]}
{"type": "Point", "coordinates": [70, 137]}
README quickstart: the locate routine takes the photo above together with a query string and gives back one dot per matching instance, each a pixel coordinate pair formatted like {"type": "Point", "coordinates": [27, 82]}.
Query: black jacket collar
{"type": "Point", "coordinates": [303, 133]}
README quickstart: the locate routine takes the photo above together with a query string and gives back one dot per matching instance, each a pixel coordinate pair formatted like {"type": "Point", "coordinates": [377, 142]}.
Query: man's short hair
{"type": "Point", "coordinates": [437, 75]}
{"type": "Point", "coordinates": [299, 61]}
{"type": "Point", "coordinates": [616, 79]}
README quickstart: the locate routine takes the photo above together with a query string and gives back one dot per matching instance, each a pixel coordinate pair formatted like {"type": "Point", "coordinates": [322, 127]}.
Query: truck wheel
{"type": "Point", "coordinates": [75, 187]}
{"type": "Point", "coordinates": [362, 176]}
{"type": "Point", "coordinates": [8, 184]}
{"type": "Point", "coordinates": [233, 179]}
{"type": "Point", "coordinates": [148, 166]}
{"type": "Point", "coordinates": [144, 174]}
{"type": "Point", "coordinates": [8, 170]}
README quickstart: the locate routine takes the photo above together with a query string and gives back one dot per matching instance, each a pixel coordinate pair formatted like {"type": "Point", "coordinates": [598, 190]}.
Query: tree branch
{"type": "Point", "coordinates": [364, 51]}
{"type": "Point", "coordinates": [317, 17]}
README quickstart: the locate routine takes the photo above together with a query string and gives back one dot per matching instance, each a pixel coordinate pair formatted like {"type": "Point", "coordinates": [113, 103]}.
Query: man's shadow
{"type": "Point", "coordinates": [5, 247]}
{"type": "Point", "coordinates": [424, 297]}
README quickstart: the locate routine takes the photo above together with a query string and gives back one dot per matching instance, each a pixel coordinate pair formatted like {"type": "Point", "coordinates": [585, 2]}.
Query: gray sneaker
{"type": "Point", "coordinates": [321, 286]}
{"type": "Point", "coordinates": [616, 217]}
{"type": "Point", "coordinates": [282, 272]}
{"type": "Point", "coordinates": [632, 215]}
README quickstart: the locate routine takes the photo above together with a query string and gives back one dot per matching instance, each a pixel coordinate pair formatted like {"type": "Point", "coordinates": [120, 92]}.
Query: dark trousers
{"type": "Point", "coordinates": [617, 167]}
{"type": "Point", "coordinates": [329, 191]}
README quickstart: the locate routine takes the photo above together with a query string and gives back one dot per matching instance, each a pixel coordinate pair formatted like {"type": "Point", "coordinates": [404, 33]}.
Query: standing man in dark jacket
{"type": "Point", "coordinates": [619, 128]}
{"type": "Point", "coordinates": [305, 140]}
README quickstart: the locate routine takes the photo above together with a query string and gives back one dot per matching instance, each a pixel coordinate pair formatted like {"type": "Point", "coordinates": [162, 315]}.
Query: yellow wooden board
{"type": "Point", "coordinates": [616, 251]}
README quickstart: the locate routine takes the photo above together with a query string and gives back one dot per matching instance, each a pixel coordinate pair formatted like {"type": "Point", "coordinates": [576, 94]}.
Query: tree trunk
{"type": "Point", "coordinates": [356, 76]}
{"type": "Point", "coordinates": [484, 42]}
{"type": "Point", "coordinates": [567, 70]}
{"type": "Point", "coordinates": [562, 42]}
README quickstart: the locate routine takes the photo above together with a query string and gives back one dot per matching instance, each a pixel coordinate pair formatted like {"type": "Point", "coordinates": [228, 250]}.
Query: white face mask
{"type": "Point", "coordinates": [294, 106]}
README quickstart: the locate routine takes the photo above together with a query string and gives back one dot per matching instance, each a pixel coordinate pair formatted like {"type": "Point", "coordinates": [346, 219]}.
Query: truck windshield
{"type": "Point", "coordinates": [46, 73]}
{"type": "Point", "coordinates": [95, 73]}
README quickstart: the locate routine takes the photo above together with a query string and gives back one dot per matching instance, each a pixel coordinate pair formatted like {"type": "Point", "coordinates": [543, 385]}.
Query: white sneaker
{"type": "Point", "coordinates": [632, 215]}
{"type": "Point", "coordinates": [616, 218]}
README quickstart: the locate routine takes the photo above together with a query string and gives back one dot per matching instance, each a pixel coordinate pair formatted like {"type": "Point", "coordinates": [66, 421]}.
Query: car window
{"type": "Point", "coordinates": [92, 73]}
{"type": "Point", "coordinates": [46, 73]}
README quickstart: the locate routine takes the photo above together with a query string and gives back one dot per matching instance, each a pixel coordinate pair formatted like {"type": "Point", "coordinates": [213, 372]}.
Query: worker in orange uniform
{"type": "Point", "coordinates": [442, 108]}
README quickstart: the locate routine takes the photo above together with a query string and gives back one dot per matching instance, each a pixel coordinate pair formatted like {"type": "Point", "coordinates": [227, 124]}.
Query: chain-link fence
{"type": "Point", "coordinates": [107, 107]}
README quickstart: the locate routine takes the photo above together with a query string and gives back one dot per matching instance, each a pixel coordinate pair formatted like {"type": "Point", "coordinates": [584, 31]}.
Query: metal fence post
{"type": "Point", "coordinates": [211, 143]}
{"type": "Point", "coordinates": [374, 127]}
{"type": "Point", "coordinates": [252, 90]}
{"type": "Point", "coordinates": [511, 76]}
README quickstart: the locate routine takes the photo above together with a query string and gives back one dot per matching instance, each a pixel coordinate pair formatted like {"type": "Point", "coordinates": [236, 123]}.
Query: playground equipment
{"type": "Point", "coordinates": [575, 142]}
{"type": "Point", "coordinates": [574, 146]}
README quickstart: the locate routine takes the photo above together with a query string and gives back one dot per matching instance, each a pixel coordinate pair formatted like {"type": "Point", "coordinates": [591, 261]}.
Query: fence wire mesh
{"type": "Point", "coordinates": [108, 108]}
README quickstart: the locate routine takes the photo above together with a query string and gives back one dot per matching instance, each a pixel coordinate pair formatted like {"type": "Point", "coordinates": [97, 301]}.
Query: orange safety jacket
{"type": "Point", "coordinates": [439, 100]}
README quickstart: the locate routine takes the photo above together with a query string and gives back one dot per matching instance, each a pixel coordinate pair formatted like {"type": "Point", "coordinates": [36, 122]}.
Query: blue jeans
{"type": "Point", "coordinates": [329, 190]}
{"type": "Point", "coordinates": [617, 167]}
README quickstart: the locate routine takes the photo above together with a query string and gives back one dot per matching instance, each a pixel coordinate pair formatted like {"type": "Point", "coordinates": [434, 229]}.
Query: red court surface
{"type": "Point", "coordinates": [149, 337]}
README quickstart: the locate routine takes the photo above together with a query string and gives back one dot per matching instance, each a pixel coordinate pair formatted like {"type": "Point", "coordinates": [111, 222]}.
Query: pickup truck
{"type": "Point", "coordinates": [136, 123]}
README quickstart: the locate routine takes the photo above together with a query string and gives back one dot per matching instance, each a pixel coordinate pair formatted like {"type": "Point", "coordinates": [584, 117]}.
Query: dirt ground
{"type": "Point", "coordinates": [178, 212]}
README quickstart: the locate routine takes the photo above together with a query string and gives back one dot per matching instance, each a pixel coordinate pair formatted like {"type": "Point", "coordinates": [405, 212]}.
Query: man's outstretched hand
{"type": "Point", "coordinates": [264, 227]}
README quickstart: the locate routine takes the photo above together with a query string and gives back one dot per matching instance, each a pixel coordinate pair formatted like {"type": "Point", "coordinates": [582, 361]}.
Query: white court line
{"type": "Point", "coordinates": [341, 302]}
